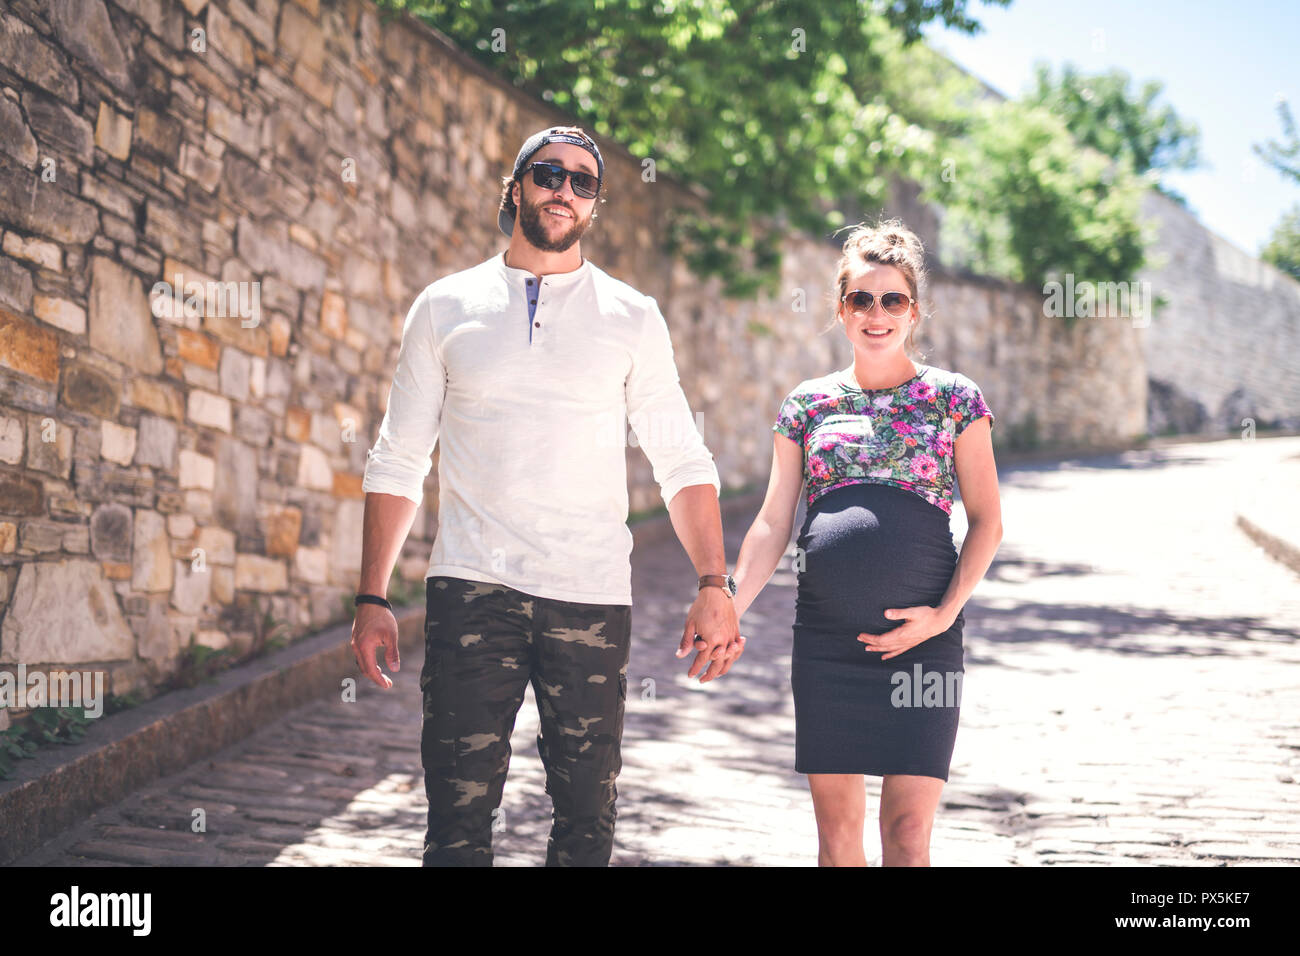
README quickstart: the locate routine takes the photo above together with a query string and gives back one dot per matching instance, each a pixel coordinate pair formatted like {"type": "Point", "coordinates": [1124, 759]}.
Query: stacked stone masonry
{"type": "Point", "coordinates": [172, 468]}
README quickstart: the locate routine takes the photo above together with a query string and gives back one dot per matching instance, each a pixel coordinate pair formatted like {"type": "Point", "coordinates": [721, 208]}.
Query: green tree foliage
{"type": "Point", "coordinates": [1025, 202]}
{"type": "Point", "coordinates": [786, 115]}
{"type": "Point", "coordinates": [1283, 155]}
{"type": "Point", "coordinates": [1283, 248]}
{"type": "Point", "coordinates": [1101, 111]}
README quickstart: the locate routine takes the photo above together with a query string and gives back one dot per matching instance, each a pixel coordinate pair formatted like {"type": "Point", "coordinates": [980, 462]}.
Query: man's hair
{"type": "Point", "coordinates": [508, 202]}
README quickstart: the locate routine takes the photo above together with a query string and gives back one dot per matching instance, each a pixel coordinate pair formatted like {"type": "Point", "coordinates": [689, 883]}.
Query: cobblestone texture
{"type": "Point", "coordinates": [1133, 674]}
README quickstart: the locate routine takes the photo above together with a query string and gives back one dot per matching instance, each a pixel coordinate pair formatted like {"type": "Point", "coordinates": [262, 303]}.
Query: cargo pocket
{"type": "Point", "coordinates": [438, 728]}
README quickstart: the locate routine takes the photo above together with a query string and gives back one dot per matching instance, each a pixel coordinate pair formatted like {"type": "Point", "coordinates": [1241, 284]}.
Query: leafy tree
{"type": "Point", "coordinates": [1283, 156]}
{"type": "Point", "coordinates": [755, 101]}
{"type": "Point", "coordinates": [785, 115]}
{"type": "Point", "coordinates": [1031, 205]}
{"type": "Point", "coordinates": [1021, 198]}
{"type": "Point", "coordinates": [1283, 248]}
{"type": "Point", "coordinates": [1100, 111]}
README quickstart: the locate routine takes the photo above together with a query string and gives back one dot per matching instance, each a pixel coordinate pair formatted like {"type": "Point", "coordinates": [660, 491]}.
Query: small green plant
{"type": "Point", "coordinates": [120, 702]}
{"type": "Point", "coordinates": [198, 663]}
{"type": "Point", "coordinates": [271, 634]}
{"type": "Point", "coordinates": [45, 726]}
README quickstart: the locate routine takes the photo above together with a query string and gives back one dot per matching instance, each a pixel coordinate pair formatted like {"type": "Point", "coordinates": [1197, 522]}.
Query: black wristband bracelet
{"type": "Point", "coordinates": [371, 599]}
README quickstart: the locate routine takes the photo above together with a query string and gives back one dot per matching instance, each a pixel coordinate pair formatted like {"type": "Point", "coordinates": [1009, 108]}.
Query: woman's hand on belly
{"type": "Point", "coordinates": [920, 623]}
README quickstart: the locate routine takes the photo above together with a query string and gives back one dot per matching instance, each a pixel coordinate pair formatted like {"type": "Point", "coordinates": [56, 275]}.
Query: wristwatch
{"type": "Point", "coordinates": [724, 581]}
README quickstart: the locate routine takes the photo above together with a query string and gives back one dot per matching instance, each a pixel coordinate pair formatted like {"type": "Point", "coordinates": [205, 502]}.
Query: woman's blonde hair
{"type": "Point", "coordinates": [889, 243]}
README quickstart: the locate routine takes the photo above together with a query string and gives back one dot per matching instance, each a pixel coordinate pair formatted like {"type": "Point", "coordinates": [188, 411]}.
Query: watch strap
{"type": "Point", "coordinates": [370, 599]}
{"type": "Point", "coordinates": [724, 581]}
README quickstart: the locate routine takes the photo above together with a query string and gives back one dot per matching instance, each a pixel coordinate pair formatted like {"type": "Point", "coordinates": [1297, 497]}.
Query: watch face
{"type": "Point", "coordinates": [731, 585]}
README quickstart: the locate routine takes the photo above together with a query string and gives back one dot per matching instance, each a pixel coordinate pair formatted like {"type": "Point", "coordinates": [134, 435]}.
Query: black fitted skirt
{"type": "Point", "coordinates": [868, 547]}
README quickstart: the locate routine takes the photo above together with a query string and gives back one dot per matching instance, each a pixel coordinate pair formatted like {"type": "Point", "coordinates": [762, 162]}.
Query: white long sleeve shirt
{"type": "Point", "coordinates": [533, 417]}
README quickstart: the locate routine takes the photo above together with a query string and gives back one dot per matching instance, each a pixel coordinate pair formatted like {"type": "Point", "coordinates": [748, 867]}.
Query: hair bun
{"type": "Point", "coordinates": [888, 242]}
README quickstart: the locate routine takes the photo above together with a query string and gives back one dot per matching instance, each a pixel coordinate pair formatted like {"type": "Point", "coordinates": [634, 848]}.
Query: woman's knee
{"type": "Point", "coordinates": [908, 829]}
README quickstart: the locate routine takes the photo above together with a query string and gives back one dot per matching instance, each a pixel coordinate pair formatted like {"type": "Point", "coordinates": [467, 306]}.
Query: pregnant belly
{"type": "Point", "coordinates": [868, 547]}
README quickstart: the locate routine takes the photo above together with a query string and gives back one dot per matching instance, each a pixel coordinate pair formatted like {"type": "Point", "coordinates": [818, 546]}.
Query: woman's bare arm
{"type": "Point", "coordinates": [768, 536]}
{"type": "Point", "coordinates": [977, 477]}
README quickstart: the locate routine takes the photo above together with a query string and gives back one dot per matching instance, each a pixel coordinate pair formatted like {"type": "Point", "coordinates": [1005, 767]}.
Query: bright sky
{"type": "Point", "coordinates": [1221, 65]}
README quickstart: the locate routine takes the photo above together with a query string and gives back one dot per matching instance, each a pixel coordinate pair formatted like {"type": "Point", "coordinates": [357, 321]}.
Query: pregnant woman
{"type": "Point", "coordinates": [877, 660]}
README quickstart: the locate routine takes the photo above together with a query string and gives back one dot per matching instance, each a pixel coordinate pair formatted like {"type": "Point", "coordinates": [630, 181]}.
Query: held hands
{"type": "Point", "coordinates": [920, 624]}
{"type": "Point", "coordinates": [375, 627]}
{"type": "Point", "coordinates": [713, 630]}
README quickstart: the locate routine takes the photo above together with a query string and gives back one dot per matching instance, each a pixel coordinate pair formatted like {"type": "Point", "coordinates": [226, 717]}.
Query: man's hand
{"type": "Point", "coordinates": [714, 631]}
{"type": "Point", "coordinates": [375, 627]}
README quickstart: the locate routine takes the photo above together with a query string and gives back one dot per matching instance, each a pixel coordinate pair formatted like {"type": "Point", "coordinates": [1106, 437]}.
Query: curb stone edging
{"type": "Point", "coordinates": [1279, 550]}
{"type": "Point", "coordinates": [61, 786]}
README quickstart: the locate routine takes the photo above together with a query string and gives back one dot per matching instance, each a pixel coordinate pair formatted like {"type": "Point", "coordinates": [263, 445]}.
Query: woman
{"type": "Point", "coordinates": [877, 661]}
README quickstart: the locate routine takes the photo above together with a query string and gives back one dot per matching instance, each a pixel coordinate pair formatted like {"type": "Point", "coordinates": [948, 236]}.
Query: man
{"type": "Point", "coordinates": [524, 367]}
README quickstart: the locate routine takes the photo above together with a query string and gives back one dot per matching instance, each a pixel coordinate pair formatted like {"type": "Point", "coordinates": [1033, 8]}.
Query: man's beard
{"type": "Point", "coordinates": [530, 221]}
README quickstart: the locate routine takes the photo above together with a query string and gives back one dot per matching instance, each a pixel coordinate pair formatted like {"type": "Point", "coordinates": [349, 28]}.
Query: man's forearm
{"type": "Point", "coordinates": [385, 525]}
{"type": "Point", "coordinates": [697, 519]}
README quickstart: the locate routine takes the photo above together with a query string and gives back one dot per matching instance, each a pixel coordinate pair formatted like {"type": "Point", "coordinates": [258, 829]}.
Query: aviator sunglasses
{"type": "Point", "coordinates": [551, 176]}
{"type": "Point", "coordinates": [860, 301]}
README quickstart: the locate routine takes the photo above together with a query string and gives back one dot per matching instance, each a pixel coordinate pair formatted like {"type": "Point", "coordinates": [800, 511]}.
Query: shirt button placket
{"type": "Point", "coordinates": [538, 329]}
{"type": "Point", "coordinates": [532, 296]}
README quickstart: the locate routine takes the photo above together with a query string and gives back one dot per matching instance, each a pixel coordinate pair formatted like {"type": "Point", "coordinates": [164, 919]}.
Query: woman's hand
{"type": "Point", "coordinates": [920, 624]}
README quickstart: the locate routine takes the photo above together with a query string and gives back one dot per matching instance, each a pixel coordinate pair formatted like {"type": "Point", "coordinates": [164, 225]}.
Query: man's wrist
{"type": "Point", "coordinates": [363, 598]}
{"type": "Point", "coordinates": [724, 581]}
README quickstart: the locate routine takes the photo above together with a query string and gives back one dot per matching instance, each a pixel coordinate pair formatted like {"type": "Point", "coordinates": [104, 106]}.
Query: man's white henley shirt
{"type": "Point", "coordinates": [533, 417]}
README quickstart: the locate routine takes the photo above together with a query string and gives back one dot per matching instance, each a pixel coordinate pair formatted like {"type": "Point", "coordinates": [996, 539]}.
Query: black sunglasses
{"type": "Point", "coordinates": [860, 302]}
{"type": "Point", "coordinates": [551, 176]}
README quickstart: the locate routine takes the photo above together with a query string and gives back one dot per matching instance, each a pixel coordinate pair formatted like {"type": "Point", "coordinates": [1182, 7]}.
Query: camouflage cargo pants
{"type": "Point", "coordinates": [484, 643]}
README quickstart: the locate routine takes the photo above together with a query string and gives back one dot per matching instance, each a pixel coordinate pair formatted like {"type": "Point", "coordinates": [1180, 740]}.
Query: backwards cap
{"type": "Point", "coordinates": [535, 142]}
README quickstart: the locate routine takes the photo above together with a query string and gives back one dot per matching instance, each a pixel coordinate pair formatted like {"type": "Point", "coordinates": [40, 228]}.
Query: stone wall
{"type": "Point", "coordinates": [175, 469]}
{"type": "Point", "coordinates": [1226, 347]}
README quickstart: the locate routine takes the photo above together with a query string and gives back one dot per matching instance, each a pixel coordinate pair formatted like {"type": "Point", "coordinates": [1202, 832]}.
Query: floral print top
{"type": "Point", "coordinates": [902, 436]}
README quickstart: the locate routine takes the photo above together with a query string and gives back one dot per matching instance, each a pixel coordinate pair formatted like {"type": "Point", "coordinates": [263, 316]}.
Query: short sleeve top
{"type": "Point", "coordinates": [902, 436]}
